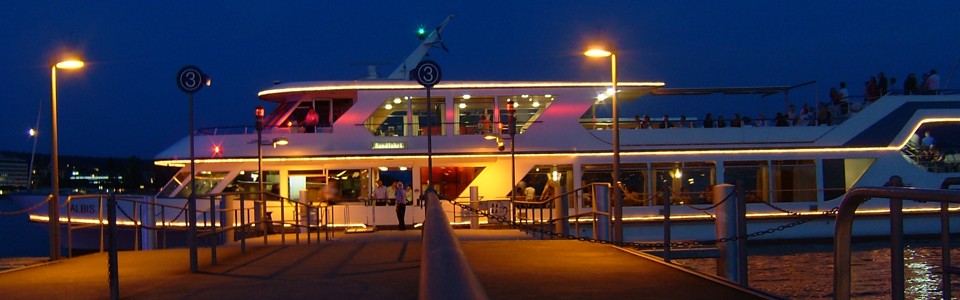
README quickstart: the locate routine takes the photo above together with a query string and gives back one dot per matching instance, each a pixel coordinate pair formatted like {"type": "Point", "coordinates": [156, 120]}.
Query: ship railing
{"type": "Point", "coordinates": [842, 279]}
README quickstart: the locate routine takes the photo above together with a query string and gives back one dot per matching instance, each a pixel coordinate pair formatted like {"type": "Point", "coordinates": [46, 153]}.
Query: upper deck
{"type": "Point", "coordinates": [379, 118]}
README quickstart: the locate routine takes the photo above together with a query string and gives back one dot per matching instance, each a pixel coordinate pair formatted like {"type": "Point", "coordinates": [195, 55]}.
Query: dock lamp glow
{"type": "Point", "coordinates": [53, 207]}
{"type": "Point", "coordinates": [617, 198]}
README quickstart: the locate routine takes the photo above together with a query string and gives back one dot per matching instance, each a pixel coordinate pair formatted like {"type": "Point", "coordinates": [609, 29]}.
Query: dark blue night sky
{"type": "Point", "coordinates": [125, 102]}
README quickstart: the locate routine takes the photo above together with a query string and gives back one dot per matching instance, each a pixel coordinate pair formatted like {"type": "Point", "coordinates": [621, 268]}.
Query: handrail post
{"type": "Point", "coordinates": [666, 222]}
{"type": "Point", "coordinates": [896, 249]}
{"type": "Point", "coordinates": [283, 231]}
{"type": "Point", "coordinates": [213, 229]}
{"type": "Point", "coordinates": [945, 265]}
{"type": "Point", "coordinates": [100, 220]}
{"type": "Point", "coordinates": [243, 225]}
{"type": "Point", "coordinates": [69, 228]}
{"type": "Point", "coordinates": [112, 260]}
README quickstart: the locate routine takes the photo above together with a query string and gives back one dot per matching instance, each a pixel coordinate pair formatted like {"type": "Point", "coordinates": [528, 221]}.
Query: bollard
{"type": "Point", "coordinates": [729, 265]}
{"type": "Point", "coordinates": [601, 206]}
{"type": "Point", "coordinates": [475, 204]}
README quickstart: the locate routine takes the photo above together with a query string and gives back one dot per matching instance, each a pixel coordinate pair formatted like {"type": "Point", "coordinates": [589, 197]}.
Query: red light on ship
{"type": "Point", "coordinates": [217, 151]}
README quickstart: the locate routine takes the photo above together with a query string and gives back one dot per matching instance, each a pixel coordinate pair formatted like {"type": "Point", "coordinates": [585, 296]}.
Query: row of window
{"type": "Point", "coordinates": [776, 181]}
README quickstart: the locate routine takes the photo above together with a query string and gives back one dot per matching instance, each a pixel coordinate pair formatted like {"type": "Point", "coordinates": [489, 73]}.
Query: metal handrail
{"type": "Point", "coordinates": [444, 270]}
{"type": "Point", "coordinates": [844, 227]}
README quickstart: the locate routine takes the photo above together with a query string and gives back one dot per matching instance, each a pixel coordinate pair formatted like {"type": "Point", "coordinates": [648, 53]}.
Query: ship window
{"type": "Point", "coordinates": [249, 181]}
{"type": "Point", "coordinates": [528, 110]}
{"type": "Point", "coordinates": [450, 182]}
{"type": "Point", "coordinates": [328, 111]}
{"type": "Point", "coordinates": [312, 181]}
{"type": "Point", "coordinates": [405, 116]}
{"type": "Point", "coordinates": [174, 183]}
{"type": "Point", "coordinates": [839, 175]}
{"type": "Point", "coordinates": [754, 176]}
{"type": "Point", "coordinates": [933, 147]}
{"type": "Point", "coordinates": [633, 176]}
{"type": "Point", "coordinates": [390, 178]}
{"type": "Point", "coordinates": [345, 185]}
{"type": "Point", "coordinates": [542, 176]}
{"type": "Point", "coordinates": [206, 181]}
{"type": "Point", "coordinates": [794, 180]}
{"type": "Point", "coordinates": [475, 114]}
{"type": "Point", "coordinates": [690, 182]}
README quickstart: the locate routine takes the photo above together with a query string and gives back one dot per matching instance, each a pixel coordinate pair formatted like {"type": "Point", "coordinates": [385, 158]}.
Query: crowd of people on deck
{"type": "Point", "coordinates": [839, 106]}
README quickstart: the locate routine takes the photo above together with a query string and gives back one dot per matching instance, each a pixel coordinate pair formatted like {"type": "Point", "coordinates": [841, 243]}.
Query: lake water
{"type": "Point", "coordinates": [20, 238]}
{"type": "Point", "coordinates": [805, 271]}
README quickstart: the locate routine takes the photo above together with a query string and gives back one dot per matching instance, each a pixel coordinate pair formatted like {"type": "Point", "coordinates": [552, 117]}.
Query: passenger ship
{"type": "Point", "coordinates": [377, 130]}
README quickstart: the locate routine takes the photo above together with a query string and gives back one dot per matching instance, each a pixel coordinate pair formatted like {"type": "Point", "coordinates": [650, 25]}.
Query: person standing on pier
{"type": "Point", "coordinates": [401, 204]}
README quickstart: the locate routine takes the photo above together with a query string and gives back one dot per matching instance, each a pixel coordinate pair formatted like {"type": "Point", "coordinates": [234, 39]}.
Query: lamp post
{"type": "Point", "coordinates": [53, 208]}
{"type": "Point", "coordinates": [617, 199]}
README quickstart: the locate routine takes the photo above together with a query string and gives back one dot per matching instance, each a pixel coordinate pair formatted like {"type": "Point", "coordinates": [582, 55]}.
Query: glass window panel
{"type": "Point", "coordinates": [206, 181]}
{"type": "Point", "coordinates": [753, 174]}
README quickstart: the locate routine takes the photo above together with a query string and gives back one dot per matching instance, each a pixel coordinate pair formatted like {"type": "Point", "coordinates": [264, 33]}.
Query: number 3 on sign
{"type": "Point", "coordinates": [428, 73]}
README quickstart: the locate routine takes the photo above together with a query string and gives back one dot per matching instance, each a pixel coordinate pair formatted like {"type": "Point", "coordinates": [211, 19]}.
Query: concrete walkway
{"type": "Point", "coordinates": [380, 265]}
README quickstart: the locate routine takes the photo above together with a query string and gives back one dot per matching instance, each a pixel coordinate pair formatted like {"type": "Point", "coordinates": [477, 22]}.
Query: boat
{"type": "Point", "coordinates": [386, 130]}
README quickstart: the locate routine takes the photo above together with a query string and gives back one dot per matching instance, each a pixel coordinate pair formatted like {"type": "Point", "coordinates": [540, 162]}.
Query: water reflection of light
{"type": "Point", "coordinates": [921, 282]}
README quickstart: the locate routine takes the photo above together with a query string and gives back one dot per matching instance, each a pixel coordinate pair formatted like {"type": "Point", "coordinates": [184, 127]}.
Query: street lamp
{"type": "Point", "coordinates": [53, 208]}
{"type": "Point", "coordinates": [617, 199]}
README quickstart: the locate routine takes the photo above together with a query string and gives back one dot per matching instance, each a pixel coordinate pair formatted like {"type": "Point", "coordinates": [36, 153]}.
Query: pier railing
{"type": "Point", "coordinates": [844, 227]}
{"type": "Point", "coordinates": [230, 217]}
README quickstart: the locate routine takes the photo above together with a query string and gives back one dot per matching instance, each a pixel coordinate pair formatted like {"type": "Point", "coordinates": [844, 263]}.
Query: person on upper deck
{"type": "Point", "coordinates": [708, 121]}
{"type": "Point", "coordinates": [720, 122]}
{"type": "Point", "coordinates": [486, 126]}
{"type": "Point", "coordinates": [311, 121]}
{"type": "Point", "coordinates": [933, 83]}
{"type": "Point", "coordinates": [882, 83]}
{"type": "Point", "coordinates": [910, 85]}
{"type": "Point", "coordinates": [666, 122]}
{"type": "Point", "coordinates": [844, 94]}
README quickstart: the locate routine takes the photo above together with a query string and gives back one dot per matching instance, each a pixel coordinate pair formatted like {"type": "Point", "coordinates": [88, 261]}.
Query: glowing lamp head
{"type": "Point", "coordinates": [217, 150]}
{"type": "Point", "coordinates": [259, 112]}
{"type": "Point", "coordinates": [421, 32]}
{"type": "Point", "coordinates": [32, 132]}
{"type": "Point", "coordinates": [70, 64]}
{"type": "Point", "coordinates": [597, 52]}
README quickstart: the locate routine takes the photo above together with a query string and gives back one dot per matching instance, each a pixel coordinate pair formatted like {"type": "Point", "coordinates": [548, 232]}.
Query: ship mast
{"type": "Point", "coordinates": [402, 72]}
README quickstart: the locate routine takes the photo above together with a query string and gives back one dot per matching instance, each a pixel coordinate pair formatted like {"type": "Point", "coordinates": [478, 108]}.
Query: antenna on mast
{"type": "Point", "coordinates": [402, 72]}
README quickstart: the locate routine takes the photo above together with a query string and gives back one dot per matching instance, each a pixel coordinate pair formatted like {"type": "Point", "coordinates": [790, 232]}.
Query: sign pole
{"type": "Point", "coordinates": [190, 79]}
{"type": "Point", "coordinates": [428, 74]}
